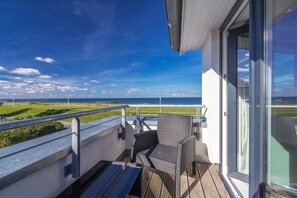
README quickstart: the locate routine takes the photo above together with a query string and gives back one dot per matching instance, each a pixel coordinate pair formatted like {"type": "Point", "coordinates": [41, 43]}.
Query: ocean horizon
{"type": "Point", "coordinates": [165, 100]}
{"type": "Point", "coordinates": [151, 100]}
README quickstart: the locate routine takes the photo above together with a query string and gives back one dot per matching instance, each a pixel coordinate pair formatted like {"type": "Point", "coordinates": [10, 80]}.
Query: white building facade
{"type": "Point", "coordinates": [249, 85]}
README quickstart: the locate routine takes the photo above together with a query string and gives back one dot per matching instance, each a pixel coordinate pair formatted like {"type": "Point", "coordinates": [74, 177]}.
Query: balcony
{"type": "Point", "coordinates": [29, 166]}
{"type": "Point", "coordinates": [207, 183]}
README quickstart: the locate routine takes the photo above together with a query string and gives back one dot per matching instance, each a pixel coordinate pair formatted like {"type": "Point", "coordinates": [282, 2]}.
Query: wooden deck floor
{"type": "Point", "coordinates": [206, 183]}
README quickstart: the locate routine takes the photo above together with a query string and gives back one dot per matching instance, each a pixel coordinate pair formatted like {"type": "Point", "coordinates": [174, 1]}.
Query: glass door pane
{"type": "Point", "coordinates": [281, 94]}
{"type": "Point", "coordinates": [242, 107]}
{"type": "Point", "coordinates": [238, 102]}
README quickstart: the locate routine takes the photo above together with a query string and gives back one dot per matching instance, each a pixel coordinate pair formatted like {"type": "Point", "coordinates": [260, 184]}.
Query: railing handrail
{"type": "Point", "coordinates": [34, 121]}
{"type": "Point", "coordinates": [166, 106]}
{"type": "Point", "coordinates": [74, 167]}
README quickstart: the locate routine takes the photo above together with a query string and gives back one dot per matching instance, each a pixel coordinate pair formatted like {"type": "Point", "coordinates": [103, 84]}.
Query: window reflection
{"type": "Point", "coordinates": [243, 103]}
{"type": "Point", "coordinates": [281, 53]}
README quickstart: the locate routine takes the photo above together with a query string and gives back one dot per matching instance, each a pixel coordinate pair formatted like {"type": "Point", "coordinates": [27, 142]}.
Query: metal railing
{"type": "Point", "coordinates": [199, 118]}
{"type": "Point", "coordinates": [74, 167]}
{"type": "Point", "coordinates": [34, 121]}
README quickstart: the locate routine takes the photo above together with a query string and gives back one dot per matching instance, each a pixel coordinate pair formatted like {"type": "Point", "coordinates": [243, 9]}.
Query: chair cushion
{"type": "Point", "coordinates": [161, 157]}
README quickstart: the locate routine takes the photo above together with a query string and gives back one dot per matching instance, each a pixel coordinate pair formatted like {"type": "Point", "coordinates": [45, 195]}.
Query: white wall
{"type": "Point", "coordinates": [211, 95]}
{"type": "Point", "coordinates": [49, 181]}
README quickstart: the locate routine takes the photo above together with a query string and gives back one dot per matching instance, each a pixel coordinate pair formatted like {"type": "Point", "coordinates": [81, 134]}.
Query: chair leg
{"type": "Point", "coordinates": [194, 172]}
{"type": "Point", "coordinates": [177, 186]}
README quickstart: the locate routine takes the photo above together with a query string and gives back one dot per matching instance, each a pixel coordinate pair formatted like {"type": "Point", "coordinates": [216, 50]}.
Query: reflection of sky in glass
{"type": "Point", "coordinates": [285, 50]}
{"type": "Point", "coordinates": [243, 64]}
{"type": "Point", "coordinates": [283, 74]}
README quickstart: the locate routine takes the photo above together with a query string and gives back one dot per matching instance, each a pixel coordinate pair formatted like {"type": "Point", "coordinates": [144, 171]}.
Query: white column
{"type": "Point", "coordinates": [211, 95]}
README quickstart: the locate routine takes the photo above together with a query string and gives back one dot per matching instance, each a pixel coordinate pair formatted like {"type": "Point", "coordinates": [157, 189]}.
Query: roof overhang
{"type": "Point", "coordinates": [191, 21]}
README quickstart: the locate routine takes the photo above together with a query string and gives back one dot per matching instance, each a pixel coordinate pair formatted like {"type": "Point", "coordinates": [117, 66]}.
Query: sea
{"type": "Point", "coordinates": [174, 101]}
{"type": "Point", "coordinates": [165, 100]}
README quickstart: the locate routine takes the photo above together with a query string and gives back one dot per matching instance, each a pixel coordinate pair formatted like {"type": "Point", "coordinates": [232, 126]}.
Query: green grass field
{"type": "Point", "coordinates": [27, 110]}
{"type": "Point", "coordinates": [34, 110]}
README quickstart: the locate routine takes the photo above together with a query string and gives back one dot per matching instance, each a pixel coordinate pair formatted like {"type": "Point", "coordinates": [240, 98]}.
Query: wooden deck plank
{"type": "Point", "coordinates": [206, 181]}
{"type": "Point", "coordinates": [126, 159]}
{"type": "Point", "coordinates": [195, 186]}
{"type": "Point", "coordinates": [147, 173]}
{"type": "Point", "coordinates": [217, 181]}
{"type": "Point", "coordinates": [168, 186]}
{"type": "Point", "coordinates": [184, 185]}
{"type": "Point", "coordinates": [282, 193]}
{"type": "Point", "coordinates": [155, 185]}
{"type": "Point", "coordinates": [270, 193]}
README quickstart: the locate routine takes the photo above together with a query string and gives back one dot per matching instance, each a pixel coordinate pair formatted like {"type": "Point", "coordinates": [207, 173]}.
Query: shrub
{"type": "Point", "coordinates": [15, 136]}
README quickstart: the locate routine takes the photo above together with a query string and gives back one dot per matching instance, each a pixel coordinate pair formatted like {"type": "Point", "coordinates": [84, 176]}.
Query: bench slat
{"type": "Point", "coordinates": [103, 182]}
{"type": "Point", "coordinates": [124, 184]}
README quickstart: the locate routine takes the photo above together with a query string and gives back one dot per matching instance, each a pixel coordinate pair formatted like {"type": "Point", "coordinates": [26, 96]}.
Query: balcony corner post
{"type": "Point", "coordinates": [75, 147]}
{"type": "Point", "coordinates": [138, 122]}
{"type": "Point", "coordinates": [123, 125]}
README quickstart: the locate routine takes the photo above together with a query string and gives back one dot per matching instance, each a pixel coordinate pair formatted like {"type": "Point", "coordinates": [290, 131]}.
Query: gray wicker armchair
{"type": "Point", "coordinates": [170, 148]}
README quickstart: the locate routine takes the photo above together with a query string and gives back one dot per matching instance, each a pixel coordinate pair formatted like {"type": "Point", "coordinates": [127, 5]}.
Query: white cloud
{"type": "Point", "coordinates": [107, 91]}
{"type": "Point", "coordinates": [2, 68]}
{"type": "Point", "coordinates": [28, 81]}
{"type": "Point", "coordinates": [44, 77]}
{"type": "Point", "coordinates": [46, 60]}
{"type": "Point", "coordinates": [240, 69]}
{"type": "Point", "coordinates": [81, 89]}
{"type": "Point", "coordinates": [87, 84]}
{"type": "Point", "coordinates": [135, 63]}
{"type": "Point", "coordinates": [70, 88]}
{"type": "Point", "coordinates": [284, 79]}
{"type": "Point", "coordinates": [26, 71]}
{"type": "Point", "coordinates": [65, 88]}
{"type": "Point", "coordinates": [46, 85]}
{"type": "Point", "coordinates": [134, 90]}
{"type": "Point", "coordinates": [20, 85]}
{"type": "Point", "coordinates": [178, 95]}
{"type": "Point", "coordinates": [94, 81]}
{"type": "Point", "coordinates": [114, 85]}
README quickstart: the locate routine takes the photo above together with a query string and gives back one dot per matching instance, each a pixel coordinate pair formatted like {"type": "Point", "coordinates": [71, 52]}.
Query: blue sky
{"type": "Point", "coordinates": [91, 49]}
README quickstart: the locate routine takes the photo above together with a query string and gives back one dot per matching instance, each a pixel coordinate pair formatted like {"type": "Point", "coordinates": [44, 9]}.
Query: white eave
{"type": "Point", "coordinates": [199, 17]}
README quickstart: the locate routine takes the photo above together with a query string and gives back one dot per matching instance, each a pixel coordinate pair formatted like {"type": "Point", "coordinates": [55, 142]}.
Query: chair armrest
{"type": "Point", "coordinates": [185, 154]}
{"type": "Point", "coordinates": [142, 141]}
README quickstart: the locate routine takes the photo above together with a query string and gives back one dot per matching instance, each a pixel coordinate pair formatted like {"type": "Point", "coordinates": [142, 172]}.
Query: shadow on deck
{"type": "Point", "coordinates": [206, 183]}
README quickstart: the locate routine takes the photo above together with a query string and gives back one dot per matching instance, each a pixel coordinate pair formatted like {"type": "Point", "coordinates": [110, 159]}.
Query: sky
{"type": "Point", "coordinates": [91, 48]}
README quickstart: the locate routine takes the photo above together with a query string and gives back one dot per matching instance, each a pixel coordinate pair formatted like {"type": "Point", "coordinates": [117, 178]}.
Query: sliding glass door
{"type": "Point", "coordinates": [238, 102]}
{"type": "Point", "coordinates": [281, 94]}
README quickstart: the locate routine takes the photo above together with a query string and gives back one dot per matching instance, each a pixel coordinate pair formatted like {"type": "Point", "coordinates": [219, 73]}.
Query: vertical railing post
{"type": "Point", "coordinates": [198, 128]}
{"type": "Point", "coordinates": [123, 127]}
{"type": "Point", "coordinates": [75, 147]}
{"type": "Point", "coordinates": [138, 127]}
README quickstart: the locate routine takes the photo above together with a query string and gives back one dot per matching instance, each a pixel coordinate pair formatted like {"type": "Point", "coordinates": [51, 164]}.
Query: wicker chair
{"type": "Point", "coordinates": [170, 148]}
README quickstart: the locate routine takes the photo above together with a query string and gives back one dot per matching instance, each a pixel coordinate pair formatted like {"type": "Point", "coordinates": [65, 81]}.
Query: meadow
{"type": "Point", "coordinates": [33, 110]}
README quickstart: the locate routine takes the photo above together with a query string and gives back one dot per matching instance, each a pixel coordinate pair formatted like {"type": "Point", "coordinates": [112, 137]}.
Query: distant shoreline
{"type": "Point", "coordinates": [290, 100]}
{"type": "Point", "coordinates": [176, 100]}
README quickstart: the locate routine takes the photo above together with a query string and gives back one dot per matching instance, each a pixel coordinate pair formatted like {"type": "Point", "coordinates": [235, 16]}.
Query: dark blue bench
{"type": "Point", "coordinates": [107, 179]}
